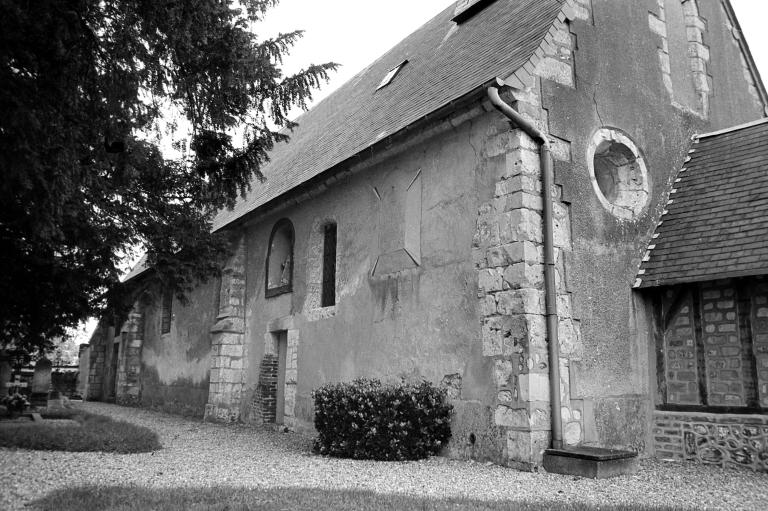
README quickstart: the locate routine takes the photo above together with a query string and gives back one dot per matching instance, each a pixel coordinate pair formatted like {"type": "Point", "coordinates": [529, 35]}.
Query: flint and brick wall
{"type": "Point", "coordinates": [682, 366]}
{"type": "Point", "coordinates": [724, 440]}
{"type": "Point", "coordinates": [715, 357]}
{"type": "Point", "coordinates": [723, 347]}
{"type": "Point", "coordinates": [714, 350]}
{"type": "Point", "coordinates": [759, 324]}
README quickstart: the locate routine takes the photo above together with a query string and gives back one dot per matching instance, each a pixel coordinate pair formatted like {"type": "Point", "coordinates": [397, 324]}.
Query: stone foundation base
{"type": "Point", "coordinates": [725, 440]}
{"type": "Point", "coordinates": [214, 413]}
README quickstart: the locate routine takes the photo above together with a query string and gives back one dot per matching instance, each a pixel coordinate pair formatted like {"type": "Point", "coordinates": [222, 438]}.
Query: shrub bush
{"type": "Point", "coordinates": [366, 419]}
{"type": "Point", "coordinates": [15, 403]}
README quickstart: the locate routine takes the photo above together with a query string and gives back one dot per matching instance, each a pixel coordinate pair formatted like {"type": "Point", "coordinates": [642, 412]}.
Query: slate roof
{"type": "Point", "coordinates": [445, 62]}
{"type": "Point", "coordinates": [137, 269]}
{"type": "Point", "coordinates": [716, 224]}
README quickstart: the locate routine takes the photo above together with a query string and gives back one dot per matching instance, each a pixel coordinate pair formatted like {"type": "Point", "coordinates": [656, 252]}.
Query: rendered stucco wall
{"type": "Point", "coordinates": [393, 318]}
{"type": "Point", "coordinates": [175, 366]}
{"type": "Point", "coordinates": [735, 99]}
{"type": "Point", "coordinates": [618, 82]}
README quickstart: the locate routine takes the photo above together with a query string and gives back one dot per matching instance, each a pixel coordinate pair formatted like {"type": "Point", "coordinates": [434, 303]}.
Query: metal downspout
{"type": "Point", "coordinates": [549, 257]}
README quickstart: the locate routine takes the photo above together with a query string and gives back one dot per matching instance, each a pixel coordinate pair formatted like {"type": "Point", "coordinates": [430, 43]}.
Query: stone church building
{"type": "Point", "coordinates": [492, 182]}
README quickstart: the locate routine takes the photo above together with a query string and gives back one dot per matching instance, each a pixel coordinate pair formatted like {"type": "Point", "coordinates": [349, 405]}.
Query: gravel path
{"type": "Point", "coordinates": [197, 454]}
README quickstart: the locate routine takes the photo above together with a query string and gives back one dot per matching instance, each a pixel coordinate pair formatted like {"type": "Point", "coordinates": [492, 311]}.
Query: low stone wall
{"type": "Point", "coordinates": [714, 439]}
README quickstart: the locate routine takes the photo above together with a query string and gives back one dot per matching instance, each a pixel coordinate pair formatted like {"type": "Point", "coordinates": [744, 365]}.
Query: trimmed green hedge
{"type": "Point", "coordinates": [367, 419]}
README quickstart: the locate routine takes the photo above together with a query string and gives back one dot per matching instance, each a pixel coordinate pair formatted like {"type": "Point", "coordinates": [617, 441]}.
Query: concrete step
{"type": "Point", "coordinates": [592, 462]}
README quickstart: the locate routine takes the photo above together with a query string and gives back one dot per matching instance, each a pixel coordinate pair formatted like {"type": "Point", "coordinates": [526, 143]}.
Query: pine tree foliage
{"type": "Point", "coordinates": [82, 84]}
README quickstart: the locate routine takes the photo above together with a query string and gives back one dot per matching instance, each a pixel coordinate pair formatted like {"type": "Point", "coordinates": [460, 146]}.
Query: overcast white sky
{"type": "Point", "coordinates": [354, 33]}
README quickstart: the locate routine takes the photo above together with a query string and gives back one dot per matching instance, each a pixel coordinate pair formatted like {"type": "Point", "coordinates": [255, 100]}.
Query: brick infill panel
{"type": "Point", "coordinates": [265, 398]}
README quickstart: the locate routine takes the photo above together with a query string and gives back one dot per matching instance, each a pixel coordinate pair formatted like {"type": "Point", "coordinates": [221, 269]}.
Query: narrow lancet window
{"type": "Point", "coordinates": [329, 266]}
{"type": "Point", "coordinates": [167, 312]}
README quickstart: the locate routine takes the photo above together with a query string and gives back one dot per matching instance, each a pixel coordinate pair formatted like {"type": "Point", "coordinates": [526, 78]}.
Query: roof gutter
{"type": "Point", "coordinates": [550, 292]}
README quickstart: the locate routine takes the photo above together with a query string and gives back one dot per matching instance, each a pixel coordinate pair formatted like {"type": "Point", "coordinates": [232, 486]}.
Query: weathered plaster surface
{"type": "Point", "coordinates": [734, 95]}
{"type": "Point", "coordinates": [418, 321]}
{"type": "Point", "coordinates": [610, 378]}
{"type": "Point", "coordinates": [175, 366]}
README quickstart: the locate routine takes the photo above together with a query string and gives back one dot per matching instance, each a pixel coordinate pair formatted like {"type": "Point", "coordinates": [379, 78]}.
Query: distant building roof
{"type": "Point", "coordinates": [716, 224]}
{"type": "Point", "coordinates": [445, 61]}
{"type": "Point", "coordinates": [137, 269]}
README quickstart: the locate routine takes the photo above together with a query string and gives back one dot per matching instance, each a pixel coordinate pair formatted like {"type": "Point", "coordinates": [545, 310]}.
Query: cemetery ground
{"type": "Point", "coordinates": [212, 466]}
{"type": "Point", "coordinates": [72, 429]}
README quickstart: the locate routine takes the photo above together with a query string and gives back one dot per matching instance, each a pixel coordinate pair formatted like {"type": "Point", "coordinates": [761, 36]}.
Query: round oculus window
{"type": "Point", "coordinates": [618, 173]}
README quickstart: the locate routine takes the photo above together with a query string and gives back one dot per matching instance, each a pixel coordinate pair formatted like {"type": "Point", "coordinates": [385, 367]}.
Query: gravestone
{"type": "Point", "coordinates": [6, 374]}
{"type": "Point", "coordinates": [41, 383]}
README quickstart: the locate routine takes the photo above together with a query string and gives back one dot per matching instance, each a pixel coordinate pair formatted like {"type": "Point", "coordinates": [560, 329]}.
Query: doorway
{"type": "Point", "coordinates": [282, 350]}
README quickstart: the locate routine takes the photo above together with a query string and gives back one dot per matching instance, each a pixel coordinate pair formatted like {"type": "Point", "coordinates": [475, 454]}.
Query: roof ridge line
{"type": "Point", "coordinates": [654, 240]}
{"type": "Point", "coordinates": [763, 120]}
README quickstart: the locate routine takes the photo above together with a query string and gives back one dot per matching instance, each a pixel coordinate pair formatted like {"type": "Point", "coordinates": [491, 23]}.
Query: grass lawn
{"type": "Point", "coordinates": [94, 433]}
{"type": "Point", "coordinates": [233, 498]}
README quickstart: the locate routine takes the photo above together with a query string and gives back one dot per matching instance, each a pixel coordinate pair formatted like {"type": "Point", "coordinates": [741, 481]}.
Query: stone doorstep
{"type": "Point", "coordinates": [591, 462]}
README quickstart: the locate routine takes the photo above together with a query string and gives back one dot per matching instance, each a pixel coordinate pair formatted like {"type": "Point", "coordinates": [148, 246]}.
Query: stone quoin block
{"type": "Point", "coordinates": [534, 387]}
{"type": "Point", "coordinates": [524, 275]}
{"type": "Point", "coordinates": [521, 301]}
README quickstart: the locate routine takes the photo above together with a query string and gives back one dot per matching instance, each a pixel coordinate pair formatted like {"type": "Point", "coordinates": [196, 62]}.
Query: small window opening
{"type": "Point", "coordinates": [141, 324]}
{"type": "Point", "coordinates": [167, 312]}
{"type": "Point", "coordinates": [328, 298]}
{"type": "Point", "coordinates": [391, 75]}
{"type": "Point", "coordinates": [465, 9]}
{"type": "Point", "coordinates": [618, 173]}
{"type": "Point", "coordinates": [615, 170]}
{"type": "Point", "coordinates": [280, 260]}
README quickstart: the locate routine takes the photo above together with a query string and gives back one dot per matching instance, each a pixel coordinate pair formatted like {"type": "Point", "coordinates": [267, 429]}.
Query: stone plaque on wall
{"type": "Point", "coordinates": [399, 225]}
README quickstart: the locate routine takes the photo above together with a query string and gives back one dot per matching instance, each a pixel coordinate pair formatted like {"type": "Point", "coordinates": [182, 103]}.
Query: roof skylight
{"type": "Point", "coordinates": [465, 9]}
{"type": "Point", "coordinates": [391, 75]}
